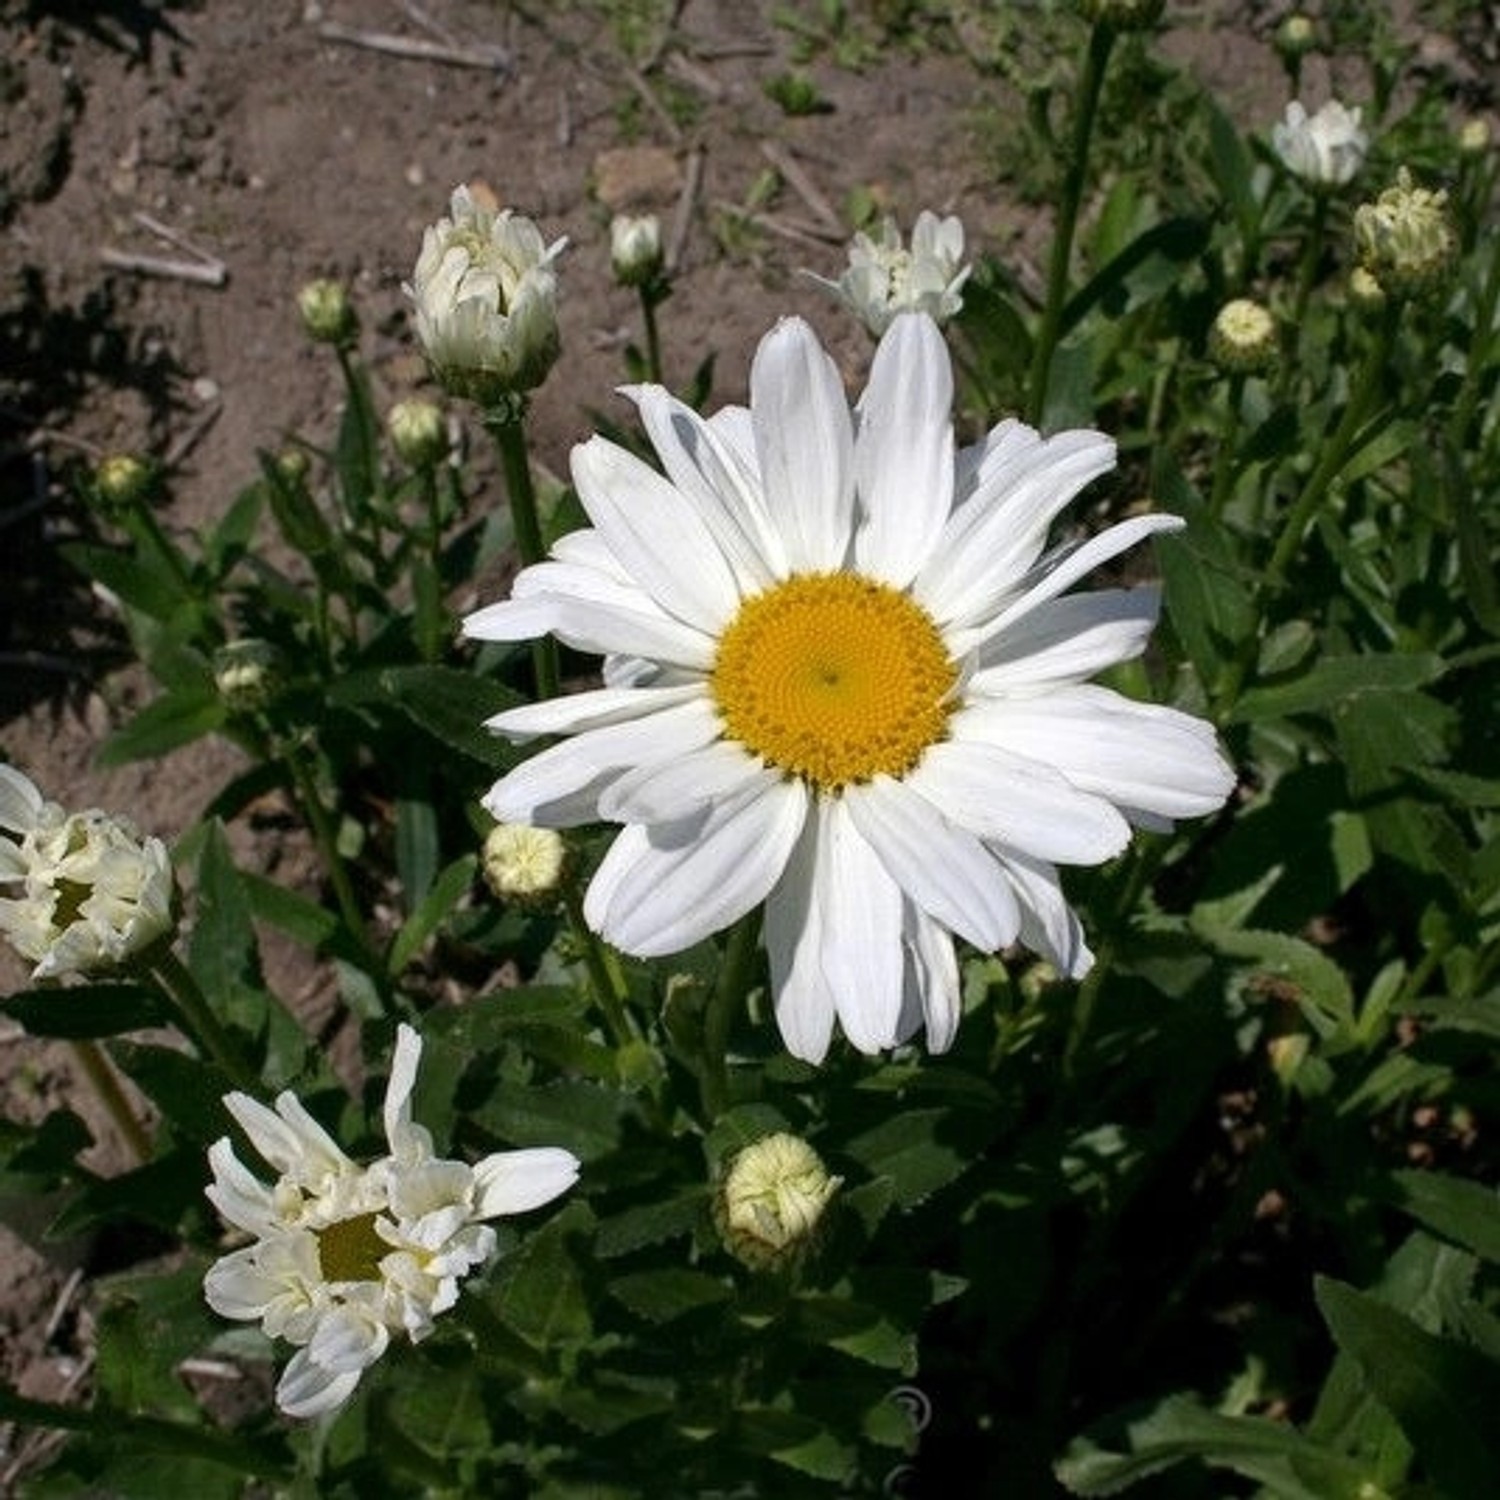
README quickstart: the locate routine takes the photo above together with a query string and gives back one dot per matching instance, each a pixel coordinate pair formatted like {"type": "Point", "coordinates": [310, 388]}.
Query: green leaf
{"type": "Point", "coordinates": [1468, 1213]}
{"type": "Point", "coordinates": [1322, 989]}
{"type": "Point", "coordinates": [664, 1295]}
{"type": "Point", "coordinates": [1232, 167]}
{"type": "Point", "coordinates": [451, 705]}
{"type": "Point", "coordinates": [188, 1092]}
{"type": "Point", "coordinates": [651, 1223]}
{"type": "Point", "coordinates": [542, 1295]}
{"type": "Point", "coordinates": [445, 893]}
{"type": "Point", "coordinates": [417, 848]}
{"type": "Point", "coordinates": [143, 583]}
{"type": "Point", "coordinates": [164, 1192]}
{"type": "Point", "coordinates": [1148, 266]}
{"type": "Point", "coordinates": [227, 542]}
{"type": "Point", "coordinates": [175, 719]}
{"type": "Point", "coordinates": [146, 1326]}
{"type": "Point", "coordinates": [857, 1329]}
{"type": "Point", "coordinates": [907, 1150]}
{"type": "Point", "coordinates": [87, 1010]}
{"type": "Point", "coordinates": [1476, 553]}
{"type": "Point", "coordinates": [1334, 678]}
{"type": "Point", "coordinates": [303, 920]}
{"type": "Point", "coordinates": [1443, 1393]}
{"type": "Point", "coordinates": [222, 954]}
{"type": "Point", "coordinates": [583, 1117]}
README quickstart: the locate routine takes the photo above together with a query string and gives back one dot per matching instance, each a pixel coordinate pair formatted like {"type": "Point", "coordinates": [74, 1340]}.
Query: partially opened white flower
{"type": "Point", "coordinates": [884, 278]}
{"type": "Point", "coordinates": [344, 1256]}
{"type": "Point", "coordinates": [1325, 149]}
{"type": "Point", "coordinates": [94, 893]}
{"type": "Point", "coordinates": [843, 678]}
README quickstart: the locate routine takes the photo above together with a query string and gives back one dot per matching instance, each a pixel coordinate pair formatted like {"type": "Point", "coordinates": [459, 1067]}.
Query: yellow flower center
{"type": "Point", "coordinates": [834, 678]}
{"type": "Point", "coordinates": [350, 1250]}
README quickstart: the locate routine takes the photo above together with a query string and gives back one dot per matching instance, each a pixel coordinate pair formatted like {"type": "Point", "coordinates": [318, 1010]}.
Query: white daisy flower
{"type": "Point", "coordinates": [884, 278]}
{"type": "Point", "coordinates": [843, 678]}
{"type": "Point", "coordinates": [343, 1256]}
{"type": "Point", "coordinates": [1325, 149]}
{"type": "Point", "coordinates": [92, 892]}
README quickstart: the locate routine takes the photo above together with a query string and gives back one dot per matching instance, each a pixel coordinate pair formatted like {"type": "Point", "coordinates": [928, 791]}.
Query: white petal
{"type": "Point", "coordinates": [1138, 755]}
{"type": "Point", "coordinates": [1017, 803]}
{"type": "Point", "coordinates": [513, 1182]}
{"type": "Point", "coordinates": [705, 466]}
{"type": "Point", "coordinates": [1067, 640]}
{"type": "Point", "coordinates": [804, 441]}
{"type": "Point", "coordinates": [20, 802]}
{"type": "Point", "coordinates": [398, 1089]}
{"type": "Point", "coordinates": [289, 1138]}
{"type": "Point", "coordinates": [684, 785]}
{"type": "Point", "coordinates": [662, 888]}
{"type": "Point", "coordinates": [236, 1287]}
{"type": "Point", "coordinates": [241, 1197]}
{"type": "Point", "coordinates": [942, 867]}
{"type": "Point", "coordinates": [978, 464]}
{"type": "Point", "coordinates": [903, 451]}
{"type": "Point", "coordinates": [348, 1339]}
{"type": "Point", "coordinates": [999, 532]}
{"type": "Point", "coordinates": [560, 786]}
{"type": "Point", "coordinates": [1049, 926]}
{"type": "Point", "coordinates": [932, 978]}
{"type": "Point", "coordinates": [308, 1389]}
{"type": "Point", "coordinates": [657, 533]}
{"type": "Point", "coordinates": [576, 712]}
{"type": "Point", "coordinates": [794, 929]}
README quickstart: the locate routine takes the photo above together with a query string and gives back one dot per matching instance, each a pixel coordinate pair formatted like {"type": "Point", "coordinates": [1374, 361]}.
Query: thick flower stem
{"type": "Point", "coordinates": [649, 299]}
{"type": "Point", "coordinates": [198, 1022]}
{"type": "Point", "coordinates": [106, 1086]}
{"type": "Point", "coordinates": [604, 979]}
{"type": "Point", "coordinates": [508, 427]}
{"type": "Point", "coordinates": [1229, 442]}
{"type": "Point", "coordinates": [735, 972]}
{"type": "Point", "coordinates": [1335, 454]}
{"type": "Point", "coordinates": [1090, 88]}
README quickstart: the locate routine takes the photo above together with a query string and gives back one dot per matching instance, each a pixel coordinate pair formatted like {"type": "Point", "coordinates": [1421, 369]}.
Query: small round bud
{"type": "Point", "coordinates": [1123, 15]}
{"type": "Point", "coordinates": [1404, 237]}
{"type": "Point", "coordinates": [123, 481]}
{"type": "Point", "coordinates": [1243, 338]}
{"type": "Point", "coordinates": [771, 1201]}
{"type": "Point", "coordinates": [1365, 292]}
{"type": "Point", "coordinates": [635, 253]}
{"type": "Point", "coordinates": [1296, 36]}
{"type": "Point", "coordinates": [418, 433]}
{"type": "Point", "coordinates": [1474, 137]}
{"type": "Point", "coordinates": [293, 465]}
{"type": "Point", "coordinates": [327, 313]}
{"type": "Point", "coordinates": [524, 864]}
{"type": "Point", "coordinates": [244, 674]}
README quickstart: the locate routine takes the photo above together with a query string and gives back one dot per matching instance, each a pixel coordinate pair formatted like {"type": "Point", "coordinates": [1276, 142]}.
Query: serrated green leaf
{"type": "Point", "coordinates": [452, 706]}
{"type": "Point", "coordinates": [909, 1150]}
{"type": "Point", "coordinates": [583, 1117]}
{"type": "Point", "coordinates": [223, 954]}
{"type": "Point", "coordinates": [175, 719]}
{"type": "Point", "coordinates": [651, 1223]}
{"type": "Point", "coordinates": [857, 1329]}
{"type": "Point", "coordinates": [672, 1292]}
{"type": "Point", "coordinates": [1334, 678]}
{"type": "Point", "coordinates": [87, 1010]}
{"type": "Point", "coordinates": [161, 1193]}
{"type": "Point", "coordinates": [1322, 989]}
{"type": "Point", "coordinates": [542, 1294]}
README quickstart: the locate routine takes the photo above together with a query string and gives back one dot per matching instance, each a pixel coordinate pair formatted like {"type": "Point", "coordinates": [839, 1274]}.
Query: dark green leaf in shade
{"type": "Point", "coordinates": [87, 1010]}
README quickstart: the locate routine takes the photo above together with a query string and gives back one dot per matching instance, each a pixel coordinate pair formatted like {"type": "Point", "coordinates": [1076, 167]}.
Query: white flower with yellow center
{"type": "Point", "coordinates": [884, 278]}
{"type": "Point", "coordinates": [94, 893]}
{"type": "Point", "coordinates": [1325, 149]}
{"type": "Point", "coordinates": [344, 1256]}
{"type": "Point", "coordinates": [842, 678]}
{"type": "Point", "coordinates": [485, 295]}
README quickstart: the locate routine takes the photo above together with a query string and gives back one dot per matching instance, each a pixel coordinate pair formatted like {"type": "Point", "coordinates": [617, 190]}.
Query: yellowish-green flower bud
{"type": "Point", "coordinates": [1123, 15]}
{"type": "Point", "coordinates": [1296, 36]}
{"type": "Point", "coordinates": [485, 297]}
{"type": "Point", "coordinates": [1243, 338]}
{"type": "Point", "coordinates": [419, 434]}
{"type": "Point", "coordinates": [1474, 137]}
{"type": "Point", "coordinates": [327, 313]}
{"type": "Point", "coordinates": [244, 673]}
{"type": "Point", "coordinates": [1365, 292]}
{"type": "Point", "coordinates": [123, 481]}
{"type": "Point", "coordinates": [523, 864]}
{"type": "Point", "coordinates": [293, 465]}
{"type": "Point", "coordinates": [1404, 238]}
{"type": "Point", "coordinates": [771, 1201]}
{"type": "Point", "coordinates": [635, 253]}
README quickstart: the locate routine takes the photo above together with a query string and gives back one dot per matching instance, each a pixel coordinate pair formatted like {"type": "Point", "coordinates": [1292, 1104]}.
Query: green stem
{"type": "Point", "coordinates": [726, 1002]}
{"type": "Point", "coordinates": [1229, 441]}
{"type": "Point", "coordinates": [604, 978]}
{"type": "Point", "coordinates": [1334, 455]}
{"type": "Point", "coordinates": [1478, 356]}
{"type": "Point", "coordinates": [653, 337]}
{"type": "Point", "coordinates": [198, 1022]}
{"type": "Point", "coordinates": [1090, 88]}
{"type": "Point", "coordinates": [1307, 276]}
{"type": "Point", "coordinates": [310, 800]}
{"type": "Point", "coordinates": [507, 425]}
{"type": "Point", "coordinates": [107, 1086]}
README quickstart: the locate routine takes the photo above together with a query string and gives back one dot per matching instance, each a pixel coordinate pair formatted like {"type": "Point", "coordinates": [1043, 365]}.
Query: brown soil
{"type": "Point", "coordinates": [258, 136]}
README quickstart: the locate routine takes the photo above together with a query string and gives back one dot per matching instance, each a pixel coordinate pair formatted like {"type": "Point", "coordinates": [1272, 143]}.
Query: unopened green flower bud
{"type": "Point", "coordinates": [418, 432]}
{"type": "Point", "coordinates": [1365, 292]}
{"type": "Point", "coordinates": [635, 253]}
{"type": "Point", "coordinates": [1123, 15]}
{"type": "Point", "coordinates": [1404, 237]}
{"type": "Point", "coordinates": [244, 673]}
{"type": "Point", "coordinates": [1296, 36]}
{"type": "Point", "coordinates": [293, 465]}
{"type": "Point", "coordinates": [1474, 137]}
{"type": "Point", "coordinates": [771, 1201]}
{"type": "Point", "coordinates": [327, 313]}
{"type": "Point", "coordinates": [123, 481]}
{"type": "Point", "coordinates": [1243, 338]}
{"type": "Point", "coordinates": [523, 864]}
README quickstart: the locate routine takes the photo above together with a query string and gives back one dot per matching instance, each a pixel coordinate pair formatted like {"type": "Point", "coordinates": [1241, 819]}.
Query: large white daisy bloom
{"type": "Point", "coordinates": [91, 892]}
{"type": "Point", "coordinates": [1325, 149]}
{"type": "Point", "coordinates": [342, 1255]}
{"type": "Point", "coordinates": [843, 677]}
{"type": "Point", "coordinates": [884, 278]}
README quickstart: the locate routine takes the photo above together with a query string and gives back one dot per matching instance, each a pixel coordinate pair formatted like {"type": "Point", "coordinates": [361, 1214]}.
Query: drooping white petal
{"type": "Point", "coordinates": [1138, 755]}
{"type": "Point", "coordinates": [576, 713]}
{"type": "Point", "coordinates": [683, 785]}
{"type": "Point", "coordinates": [308, 1389]}
{"type": "Point", "coordinates": [240, 1196]}
{"type": "Point", "coordinates": [1049, 926]}
{"type": "Point", "coordinates": [658, 533]}
{"type": "Point", "coordinates": [513, 1182]}
{"type": "Point", "coordinates": [1015, 802]}
{"type": "Point", "coordinates": [795, 925]}
{"type": "Point", "coordinates": [1067, 640]}
{"type": "Point", "coordinates": [804, 443]}
{"type": "Point", "coordinates": [903, 451]}
{"type": "Point", "coordinates": [396, 1113]}
{"type": "Point", "coordinates": [944, 868]}
{"type": "Point", "coordinates": [662, 888]}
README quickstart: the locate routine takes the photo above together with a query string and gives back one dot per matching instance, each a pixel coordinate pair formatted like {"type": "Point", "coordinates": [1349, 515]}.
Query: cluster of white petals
{"type": "Point", "coordinates": [485, 295]}
{"type": "Point", "coordinates": [1325, 149]}
{"type": "Point", "coordinates": [885, 278]}
{"type": "Point", "coordinates": [844, 677]}
{"type": "Point", "coordinates": [93, 893]}
{"type": "Point", "coordinates": [344, 1256]}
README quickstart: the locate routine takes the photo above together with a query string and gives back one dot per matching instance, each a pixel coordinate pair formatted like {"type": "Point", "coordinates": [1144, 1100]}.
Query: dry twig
{"type": "Point", "coordinates": [794, 174]}
{"type": "Point", "coordinates": [682, 219]}
{"type": "Point", "coordinates": [478, 55]}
